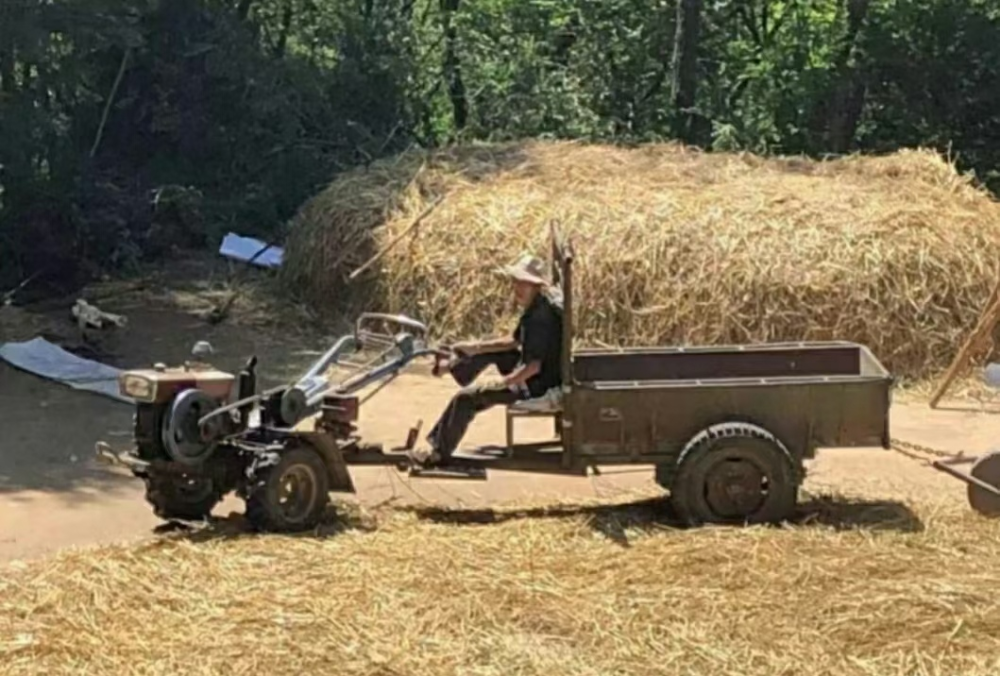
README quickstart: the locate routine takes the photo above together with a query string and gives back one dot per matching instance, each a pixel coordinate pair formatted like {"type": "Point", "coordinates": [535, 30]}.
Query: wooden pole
{"type": "Point", "coordinates": [987, 322]}
{"type": "Point", "coordinates": [416, 221]}
{"type": "Point", "coordinates": [110, 102]}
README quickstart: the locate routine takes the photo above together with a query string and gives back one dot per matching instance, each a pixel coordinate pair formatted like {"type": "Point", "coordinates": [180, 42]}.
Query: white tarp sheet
{"type": "Point", "coordinates": [44, 359]}
{"type": "Point", "coordinates": [992, 375]}
{"type": "Point", "coordinates": [245, 248]}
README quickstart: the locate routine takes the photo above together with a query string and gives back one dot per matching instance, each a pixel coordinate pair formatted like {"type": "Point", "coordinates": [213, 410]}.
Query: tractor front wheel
{"type": "Point", "coordinates": [290, 495]}
{"type": "Point", "coordinates": [182, 497]}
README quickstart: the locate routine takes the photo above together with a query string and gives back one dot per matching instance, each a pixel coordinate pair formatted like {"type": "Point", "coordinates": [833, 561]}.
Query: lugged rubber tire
{"type": "Point", "coordinates": [170, 501]}
{"type": "Point", "coordinates": [740, 466]}
{"type": "Point", "coordinates": [264, 509]}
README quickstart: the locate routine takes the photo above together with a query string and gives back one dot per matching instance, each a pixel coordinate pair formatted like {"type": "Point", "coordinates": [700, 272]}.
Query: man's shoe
{"type": "Point", "coordinates": [424, 457]}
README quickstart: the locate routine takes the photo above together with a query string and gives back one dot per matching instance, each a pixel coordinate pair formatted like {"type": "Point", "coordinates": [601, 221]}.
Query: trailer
{"type": "Point", "coordinates": [726, 428]}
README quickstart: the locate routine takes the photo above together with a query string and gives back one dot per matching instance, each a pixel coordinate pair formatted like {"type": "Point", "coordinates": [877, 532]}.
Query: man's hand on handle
{"type": "Point", "coordinates": [446, 360]}
{"type": "Point", "coordinates": [473, 348]}
{"type": "Point", "coordinates": [448, 357]}
{"type": "Point", "coordinates": [520, 376]}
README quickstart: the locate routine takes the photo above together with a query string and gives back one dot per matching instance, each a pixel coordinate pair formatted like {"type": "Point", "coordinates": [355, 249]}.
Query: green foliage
{"type": "Point", "coordinates": [934, 73]}
{"type": "Point", "coordinates": [130, 127]}
{"type": "Point", "coordinates": [206, 103]}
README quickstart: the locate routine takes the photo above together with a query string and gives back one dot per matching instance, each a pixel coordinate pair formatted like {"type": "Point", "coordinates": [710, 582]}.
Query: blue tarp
{"type": "Point", "coordinates": [244, 248]}
{"type": "Point", "coordinates": [44, 359]}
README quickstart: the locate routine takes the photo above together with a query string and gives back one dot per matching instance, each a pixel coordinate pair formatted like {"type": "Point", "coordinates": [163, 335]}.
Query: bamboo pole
{"type": "Point", "coordinates": [396, 240]}
{"type": "Point", "coordinates": [987, 322]}
{"type": "Point", "coordinates": [107, 104]}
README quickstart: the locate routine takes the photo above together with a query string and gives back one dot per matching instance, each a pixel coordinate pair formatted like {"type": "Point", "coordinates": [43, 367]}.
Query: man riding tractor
{"type": "Point", "coordinates": [529, 361]}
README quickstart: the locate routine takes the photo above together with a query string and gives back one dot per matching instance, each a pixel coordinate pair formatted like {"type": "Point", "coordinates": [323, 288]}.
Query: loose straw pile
{"type": "Point", "coordinates": [581, 591]}
{"type": "Point", "coordinates": [675, 246]}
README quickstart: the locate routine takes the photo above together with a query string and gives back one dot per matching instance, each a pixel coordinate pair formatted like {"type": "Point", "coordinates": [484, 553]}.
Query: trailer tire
{"type": "Point", "coordinates": [303, 467]}
{"type": "Point", "coordinates": [734, 473]}
{"type": "Point", "coordinates": [987, 469]}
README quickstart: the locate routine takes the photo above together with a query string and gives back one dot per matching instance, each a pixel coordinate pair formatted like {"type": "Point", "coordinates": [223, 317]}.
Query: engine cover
{"type": "Point", "coordinates": [184, 439]}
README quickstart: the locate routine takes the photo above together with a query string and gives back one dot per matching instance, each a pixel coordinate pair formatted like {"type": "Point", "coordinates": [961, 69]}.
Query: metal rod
{"type": "Point", "coordinates": [356, 365]}
{"type": "Point", "coordinates": [959, 460]}
{"type": "Point", "coordinates": [239, 404]}
{"type": "Point", "coordinates": [362, 377]}
{"type": "Point", "coordinates": [323, 363]}
{"type": "Point", "coordinates": [379, 387]}
{"type": "Point", "coordinates": [377, 374]}
{"type": "Point", "coordinates": [399, 320]}
{"type": "Point", "coordinates": [393, 368]}
{"type": "Point", "coordinates": [967, 478]}
{"type": "Point", "coordinates": [307, 383]}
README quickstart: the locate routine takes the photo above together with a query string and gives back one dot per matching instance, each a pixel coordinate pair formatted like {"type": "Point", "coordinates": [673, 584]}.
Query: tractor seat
{"type": "Point", "coordinates": [545, 406]}
{"type": "Point", "coordinates": [550, 402]}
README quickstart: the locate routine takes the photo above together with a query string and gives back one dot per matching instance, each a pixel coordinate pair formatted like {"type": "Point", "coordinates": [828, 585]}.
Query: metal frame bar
{"type": "Point", "coordinates": [402, 321]}
{"type": "Point", "coordinates": [946, 467]}
{"type": "Point", "coordinates": [562, 265]}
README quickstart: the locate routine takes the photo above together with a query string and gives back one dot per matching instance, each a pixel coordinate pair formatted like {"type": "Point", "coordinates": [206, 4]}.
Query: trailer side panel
{"type": "Point", "coordinates": [644, 423]}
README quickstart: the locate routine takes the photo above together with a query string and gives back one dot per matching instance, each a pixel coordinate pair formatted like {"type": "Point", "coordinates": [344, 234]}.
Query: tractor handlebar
{"type": "Point", "coordinates": [381, 328]}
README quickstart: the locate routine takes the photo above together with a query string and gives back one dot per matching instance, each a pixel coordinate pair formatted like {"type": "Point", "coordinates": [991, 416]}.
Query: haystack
{"type": "Point", "coordinates": [675, 246]}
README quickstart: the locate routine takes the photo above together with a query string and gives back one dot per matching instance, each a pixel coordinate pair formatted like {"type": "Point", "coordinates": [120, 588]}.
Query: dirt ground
{"type": "Point", "coordinates": [53, 494]}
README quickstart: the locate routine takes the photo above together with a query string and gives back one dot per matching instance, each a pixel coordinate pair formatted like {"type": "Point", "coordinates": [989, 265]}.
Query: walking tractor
{"type": "Point", "coordinates": [727, 429]}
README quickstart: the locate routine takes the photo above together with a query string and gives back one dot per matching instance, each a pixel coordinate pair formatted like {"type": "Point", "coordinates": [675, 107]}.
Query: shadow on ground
{"type": "Point", "coordinates": [48, 430]}
{"type": "Point", "coordinates": [235, 526]}
{"type": "Point", "coordinates": [48, 435]}
{"type": "Point", "coordinates": [613, 521]}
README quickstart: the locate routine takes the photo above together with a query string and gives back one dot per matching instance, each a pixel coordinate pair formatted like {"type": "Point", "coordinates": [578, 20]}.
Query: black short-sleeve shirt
{"type": "Point", "coordinates": [539, 335]}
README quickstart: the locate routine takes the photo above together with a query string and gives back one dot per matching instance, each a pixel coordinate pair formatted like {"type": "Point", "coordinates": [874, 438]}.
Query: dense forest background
{"type": "Point", "coordinates": [128, 127]}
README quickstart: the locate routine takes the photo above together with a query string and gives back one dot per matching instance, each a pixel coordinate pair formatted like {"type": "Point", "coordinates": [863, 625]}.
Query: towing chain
{"type": "Point", "coordinates": [913, 450]}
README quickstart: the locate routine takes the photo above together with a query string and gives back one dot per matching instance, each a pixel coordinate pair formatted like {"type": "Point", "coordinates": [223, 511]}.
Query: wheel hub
{"type": "Point", "coordinates": [297, 492]}
{"type": "Point", "coordinates": [194, 488]}
{"type": "Point", "coordinates": [735, 488]}
{"type": "Point", "coordinates": [184, 439]}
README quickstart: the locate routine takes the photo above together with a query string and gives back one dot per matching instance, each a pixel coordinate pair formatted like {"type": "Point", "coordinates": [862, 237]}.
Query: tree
{"type": "Point", "coordinates": [685, 68]}
{"type": "Point", "coordinates": [452, 65]}
{"type": "Point", "coordinates": [845, 102]}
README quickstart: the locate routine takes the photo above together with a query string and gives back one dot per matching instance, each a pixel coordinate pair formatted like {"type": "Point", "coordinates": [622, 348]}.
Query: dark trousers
{"type": "Point", "coordinates": [472, 399]}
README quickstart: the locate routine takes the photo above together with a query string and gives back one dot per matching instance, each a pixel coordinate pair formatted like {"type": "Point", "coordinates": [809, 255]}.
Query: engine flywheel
{"type": "Point", "coordinates": [185, 440]}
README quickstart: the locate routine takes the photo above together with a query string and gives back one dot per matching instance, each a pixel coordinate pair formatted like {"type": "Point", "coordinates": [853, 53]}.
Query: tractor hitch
{"type": "Point", "coordinates": [108, 456]}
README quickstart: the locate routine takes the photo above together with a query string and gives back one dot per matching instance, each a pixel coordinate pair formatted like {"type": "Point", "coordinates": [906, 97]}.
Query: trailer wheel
{"type": "Point", "coordinates": [986, 469]}
{"type": "Point", "coordinates": [734, 474]}
{"type": "Point", "coordinates": [290, 495]}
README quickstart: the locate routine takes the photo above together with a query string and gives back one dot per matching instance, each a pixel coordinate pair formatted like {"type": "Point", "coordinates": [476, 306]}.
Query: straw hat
{"type": "Point", "coordinates": [528, 268]}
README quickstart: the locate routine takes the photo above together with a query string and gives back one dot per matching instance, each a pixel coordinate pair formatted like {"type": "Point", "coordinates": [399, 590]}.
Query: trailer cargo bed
{"type": "Point", "coordinates": [634, 404]}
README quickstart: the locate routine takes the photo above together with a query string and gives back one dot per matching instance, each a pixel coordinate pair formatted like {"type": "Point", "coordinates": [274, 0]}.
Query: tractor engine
{"type": "Point", "coordinates": [176, 434]}
{"type": "Point", "coordinates": [170, 406]}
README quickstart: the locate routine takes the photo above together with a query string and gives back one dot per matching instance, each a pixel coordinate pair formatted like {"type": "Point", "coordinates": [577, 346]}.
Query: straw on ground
{"type": "Point", "coordinates": [584, 590]}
